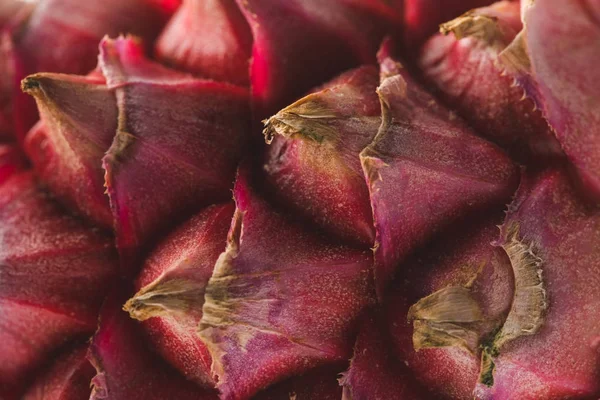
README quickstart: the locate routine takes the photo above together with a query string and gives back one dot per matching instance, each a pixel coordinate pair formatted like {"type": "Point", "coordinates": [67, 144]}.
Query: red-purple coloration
{"type": "Point", "coordinates": [11, 161]}
{"type": "Point", "coordinates": [555, 59]}
{"type": "Point", "coordinates": [313, 165]}
{"type": "Point", "coordinates": [70, 31]}
{"type": "Point", "coordinates": [375, 371]}
{"type": "Point", "coordinates": [462, 63]}
{"type": "Point", "coordinates": [126, 369]}
{"type": "Point", "coordinates": [364, 239]}
{"type": "Point", "coordinates": [282, 298]}
{"type": "Point", "coordinates": [422, 17]}
{"type": "Point", "coordinates": [8, 9]}
{"type": "Point", "coordinates": [170, 291]}
{"type": "Point", "coordinates": [209, 38]}
{"type": "Point", "coordinates": [319, 384]}
{"type": "Point", "coordinates": [425, 169]}
{"type": "Point", "coordinates": [299, 44]}
{"type": "Point", "coordinates": [79, 121]}
{"type": "Point", "coordinates": [462, 254]}
{"type": "Point", "coordinates": [67, 377]}
{"type": "Point", "coordinates": [562, 358]}
{"type": "Point", "coordinates": [55, 271]}
{"type": "Point", "coordinates": [7, 86]}
{"type": "Point", "coordinates": [177, 146]}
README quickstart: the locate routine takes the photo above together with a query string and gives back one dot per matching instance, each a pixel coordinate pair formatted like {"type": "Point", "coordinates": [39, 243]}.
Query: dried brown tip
{"type": "Point", "coordinates": [218, 306]}
{"type": "Point", "coordinates": [165, 297]}
{"type": "Point", "coordinates": [446, 318]}
{"type": "Point", "coordinates": [487, 367]}
{"type": "Point", "coordinates": [30, 84]}
{"type": "Point", "coordinates": [472, 24]}
{"type": "Point", "coordinates": [514, 57]}
{"type": "Point", "coordinates": [306, 118]}
{"type": "Point", "coordinates": [530, 303]}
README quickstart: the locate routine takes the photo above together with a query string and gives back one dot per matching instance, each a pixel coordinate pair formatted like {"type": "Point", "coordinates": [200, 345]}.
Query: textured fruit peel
{"type": "Point", "coordinates": [425, 169]}
{"type": "Point", "coordinates": [282, 299]}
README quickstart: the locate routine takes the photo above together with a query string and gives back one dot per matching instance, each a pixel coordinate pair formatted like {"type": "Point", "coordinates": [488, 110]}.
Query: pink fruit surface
{"type": "Point", "coordinates": [170, 291]}
{"type": "Point", "coordinates": [462, 63]}
{"type": "Point", "coordinates": [96, 129]}
{"type": "Point", "coordinates": [70, 31]}
{"type": "Point", "coordinates": [7, 69]}
{"type": "Point", "coordinates": [552, 238]}
{"type": "Point", "coordinates": [312, 165]}
{"type": "Point", "coordinates": [375, 372]}
{"type": "Point", "coordinates": [485, 312]}
{"type": "Point", "coordinates": [67, 377]}
{"type": "Point", "coordinates": [153, 246]}
{"type": "Point", "coordinates": [191, 144]}
{"type": "Point", "coordinates": [209, 38]}
{"type": "Point", "coordinates": [288, 59]}
{"type": "Point", "coordinates": [55, 271]}
{"type": "Point", "coordinates": [457, 290]}
{"type": "Point", "coordinates": [11, 161]}
{"type": "Point", "coordinates": [78, 123]}
{"type": "Point", "coordinates": [319, 383]}
{"type": "Point", "coordinates": [8, 9]}
{"type": "Point", "coordinates": [555, 58]}
{"type": "Point", "coordinates": [425, 169]}
{"type": "Point", "coordinates": [422, 17]}
{"type": "Point", "coordinates": [126, 368]}
{"type": "Point", "coordinates": [282, 299]}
